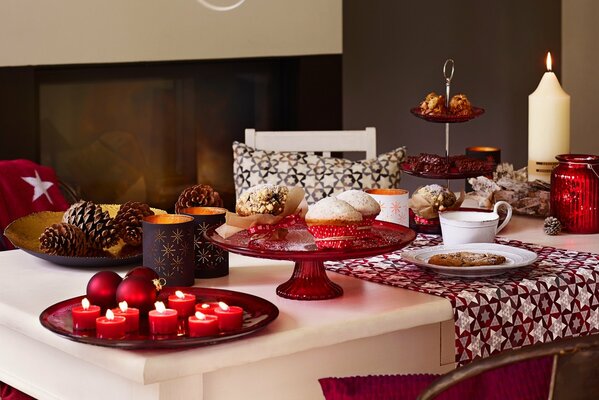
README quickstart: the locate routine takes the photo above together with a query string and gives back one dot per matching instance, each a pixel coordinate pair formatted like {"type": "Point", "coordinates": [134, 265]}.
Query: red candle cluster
{"type": "Point", "coordinates": [203, 319]}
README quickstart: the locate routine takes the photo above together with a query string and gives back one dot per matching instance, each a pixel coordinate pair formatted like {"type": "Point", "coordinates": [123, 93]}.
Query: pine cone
{"type": "Point", "coordinates": [95, 223]}
{"type": "Point", "coordinates": [63, 240]}
{"type": "Point", "coordinates": [198, 196]}
{"type": "Point", "coordinates": [552, 226]}
{"type": "Point", "coordinates": [128, 221]}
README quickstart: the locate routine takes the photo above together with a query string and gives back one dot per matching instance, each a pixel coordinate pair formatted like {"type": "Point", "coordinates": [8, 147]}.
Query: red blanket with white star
{"type": "Point", "coordinates": [27, 187]}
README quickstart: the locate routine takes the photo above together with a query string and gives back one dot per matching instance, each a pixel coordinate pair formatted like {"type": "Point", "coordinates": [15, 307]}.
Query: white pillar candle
{"type": "Point", "coordinates": [548, 125]}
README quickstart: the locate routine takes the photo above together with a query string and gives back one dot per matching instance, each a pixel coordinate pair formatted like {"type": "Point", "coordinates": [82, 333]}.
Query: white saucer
{"type": "Point", "coordinates": [515, 258]}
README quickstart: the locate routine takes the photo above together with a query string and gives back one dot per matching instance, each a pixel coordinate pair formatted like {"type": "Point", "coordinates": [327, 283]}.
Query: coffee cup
{"type": "Point", "coordinates": [461, 227]}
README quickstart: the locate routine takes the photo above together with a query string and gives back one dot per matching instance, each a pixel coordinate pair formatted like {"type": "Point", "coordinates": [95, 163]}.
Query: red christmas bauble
{"type": "Point", "coordinates": [143, 272]}
{"type": "Point", "coordinates": [101, 288]}
{"type": "Point", "coordinates": [138, 292]}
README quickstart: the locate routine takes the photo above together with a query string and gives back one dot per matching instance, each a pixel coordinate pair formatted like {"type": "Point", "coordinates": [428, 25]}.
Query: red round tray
{"type": "Point", "coordinates": [448, 118]}
{"type": "Point", "coordinates": [309, 280]}
{"type": "Point", "coordinates": [257, 313]}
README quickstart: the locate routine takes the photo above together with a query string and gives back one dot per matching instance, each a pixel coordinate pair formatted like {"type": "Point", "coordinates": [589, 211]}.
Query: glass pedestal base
{"type": "Point", "coordinates": [309, 281]}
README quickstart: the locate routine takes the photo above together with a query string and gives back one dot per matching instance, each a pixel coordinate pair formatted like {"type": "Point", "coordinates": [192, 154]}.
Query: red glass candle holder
{"type": "Point", "coordinates": [575, 192]}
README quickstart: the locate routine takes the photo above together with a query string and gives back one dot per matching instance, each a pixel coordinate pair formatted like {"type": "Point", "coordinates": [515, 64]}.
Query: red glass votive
{"type": "Point", "coordinates": [230, 318]}
{"type": "Point", "coordinates": [110, 326]}
{"type": "Point", "coordinates": [163, 321]}
{"type": "Point", "coordinates": [574, 193]}
{"type": "Point", "coordinates": [202, 325]}
{"type": "Point", "coordinates": [131, 317]}
{"type": "Point", "coordinates": [84, 316]}
{"type": "Point", "coordinates": [206, 308]}
{"type": "Point", "coordinates": [182, 302]}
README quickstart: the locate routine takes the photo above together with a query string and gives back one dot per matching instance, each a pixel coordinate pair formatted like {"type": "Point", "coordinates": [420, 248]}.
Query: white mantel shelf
{"type": "Point", "coordinates": [371, 329]}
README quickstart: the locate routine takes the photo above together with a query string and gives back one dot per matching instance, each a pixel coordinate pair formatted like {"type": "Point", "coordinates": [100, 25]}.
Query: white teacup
{"type": "Point", "coordinates": [461, 227]}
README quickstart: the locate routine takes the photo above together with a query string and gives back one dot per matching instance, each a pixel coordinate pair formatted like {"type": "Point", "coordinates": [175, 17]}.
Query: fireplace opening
{"type": "Point", "coordinates": [145, 131]}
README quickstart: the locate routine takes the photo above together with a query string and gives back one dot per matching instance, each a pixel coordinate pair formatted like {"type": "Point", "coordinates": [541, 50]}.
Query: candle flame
{"type": "Point", "coordinates": [179, 294]}
{"type": "Point", "coordinates": [160, 307]}
{"type": "Point", "coordinates": [123, 306]}
{"type": "Point", "coordinates": [200, 315]}
{"type": "Point", "coordinates": [223, 306]}
{"type": "Point", "coordinates": [85, 303]}
{"type": "Point", "coordinates": [205, 306]}
{"type": "Point", "coordinates": [109, 315]}
{"type": "Point", "coordinates": [548, 62]}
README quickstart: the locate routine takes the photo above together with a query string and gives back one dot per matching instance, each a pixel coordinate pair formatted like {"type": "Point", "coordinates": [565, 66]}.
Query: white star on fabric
{"type": "Point", "coordinates": [39, 187]}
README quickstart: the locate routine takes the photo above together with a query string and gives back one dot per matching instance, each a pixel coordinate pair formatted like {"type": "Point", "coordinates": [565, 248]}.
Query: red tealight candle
{"type": "Point", "coordinates": [182, 302]}
{"type": "Point", "coordinates": [202, 325]}
{"type": "Point", "coordinates": [163, 321]}
{"type": "Point", "coordinates": [110, 327]}
{"type": "Point", "coordinates": [230, 318]}
{"type": "Point", "coordinates": [84, 316]}
{"type": "Point", "coordinates": [207, 308]}
{"type": "Point", "coordinates": [131, 316]}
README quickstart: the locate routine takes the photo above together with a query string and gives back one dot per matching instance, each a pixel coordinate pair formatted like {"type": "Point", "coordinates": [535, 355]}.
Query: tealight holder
{"type": "Point", "coordinates": [210, 260]}
{"type": "Point", "coordinates": [168, 247]}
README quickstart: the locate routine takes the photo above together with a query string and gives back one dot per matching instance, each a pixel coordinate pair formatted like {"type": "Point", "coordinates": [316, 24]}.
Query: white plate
{"type": "Point", "coordinates": [515, 258]}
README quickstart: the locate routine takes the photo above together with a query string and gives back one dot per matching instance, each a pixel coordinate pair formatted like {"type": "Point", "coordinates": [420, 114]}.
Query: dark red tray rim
{"type": "Point", "coordinates": [448, 118]}
{"type": "Point", "coordinates": [255, 308]}
{"type": "Point", "coordinates": [319, 254]}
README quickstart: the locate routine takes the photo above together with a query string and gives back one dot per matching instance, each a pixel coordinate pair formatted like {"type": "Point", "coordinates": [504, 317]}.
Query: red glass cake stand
{"type": "Point", "coordinates": [309, 280]}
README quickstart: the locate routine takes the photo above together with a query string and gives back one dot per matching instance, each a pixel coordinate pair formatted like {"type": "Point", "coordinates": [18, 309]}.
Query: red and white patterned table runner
{"type": "Point", "coordinates": [556, 297]}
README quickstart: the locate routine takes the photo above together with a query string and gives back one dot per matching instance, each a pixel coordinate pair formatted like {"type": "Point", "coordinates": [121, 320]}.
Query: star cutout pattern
{"type": "Point", "coordinates": [556, 297]}
{"type": "Point", "coordinates": [319, 176]}
{"type": "Point", "coordinates": [40, 187]}
{"type": "Point", "coordinates": [170, 252]}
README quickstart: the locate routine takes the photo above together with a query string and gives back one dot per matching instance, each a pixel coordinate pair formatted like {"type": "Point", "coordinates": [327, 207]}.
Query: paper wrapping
{"type": "Point", "coordinates": [295, 204]}
{"type": "Point", "coordinates": [428, 208]}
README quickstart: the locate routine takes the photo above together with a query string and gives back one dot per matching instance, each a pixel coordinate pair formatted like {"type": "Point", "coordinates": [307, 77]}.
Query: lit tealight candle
{"type": "Point", "coordinates": [202, 325]}
{"type": "Point", "coordinates": [207, 308]}
{"type": "Point", "coordinates": [548, 125]}
{"type": "Point", "coordinates": [131, 316]}
{"type": "Point", "coordinates": [230, 318]}
{"type": "Point", "coordinates": [163, 321]}
{"type": "Point", "coordinates": [182, 302]}
{"type": "Point", "coordinates": [110, 326]}
{"type": "Point", "coordinates": [84, 316]}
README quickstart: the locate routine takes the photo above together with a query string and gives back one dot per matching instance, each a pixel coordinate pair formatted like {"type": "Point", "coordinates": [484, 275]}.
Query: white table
{"type": "Point", "coordinates": [371, 329]}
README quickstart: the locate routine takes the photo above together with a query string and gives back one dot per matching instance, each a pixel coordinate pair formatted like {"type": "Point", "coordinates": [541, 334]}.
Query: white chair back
{"type": "Point", "coordinates": [314, 141]}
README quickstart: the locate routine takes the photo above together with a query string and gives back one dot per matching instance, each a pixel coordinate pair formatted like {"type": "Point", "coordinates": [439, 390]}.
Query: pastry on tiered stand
{"type": "Point", "coordinates": [427, 201]}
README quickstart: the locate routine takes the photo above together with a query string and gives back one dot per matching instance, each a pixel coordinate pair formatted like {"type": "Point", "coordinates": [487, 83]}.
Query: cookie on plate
{"type": "Point", "coordinates": [466, 259]}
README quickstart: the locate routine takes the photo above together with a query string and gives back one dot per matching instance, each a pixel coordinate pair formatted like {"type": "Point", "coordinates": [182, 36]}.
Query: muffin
{"type": "Point", "coordinates": [364, 203]}
{"type": "Point", "coordinates": [427, 201]}
{"type": "Point", "coordinates": [460, 105]}
{"type": "Point", "coordinates": [262, 199]}
{"type": "Point", "coordinates": [333, 223]}
{"type": "Point", "coordinates": [433, 104]}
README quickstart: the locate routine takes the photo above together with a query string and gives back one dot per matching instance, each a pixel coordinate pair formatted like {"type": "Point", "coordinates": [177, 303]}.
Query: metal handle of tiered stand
{"type": "Point", "coordinates": [448, 69]}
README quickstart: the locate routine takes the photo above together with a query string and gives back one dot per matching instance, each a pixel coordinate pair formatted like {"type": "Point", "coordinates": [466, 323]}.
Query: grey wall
{"type": "Point", "coordinates": [580, 49]}
{"type": "Point", "coordinates": [393, 54]}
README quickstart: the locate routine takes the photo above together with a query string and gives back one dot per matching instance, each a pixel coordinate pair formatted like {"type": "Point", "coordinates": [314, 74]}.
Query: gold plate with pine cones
{"type": "Point", "coordinates": [25, 233]}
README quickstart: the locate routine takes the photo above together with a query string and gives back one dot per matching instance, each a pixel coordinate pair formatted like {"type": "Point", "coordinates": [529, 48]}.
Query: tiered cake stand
{"type": "Point", "coordinates": [447, 119]}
